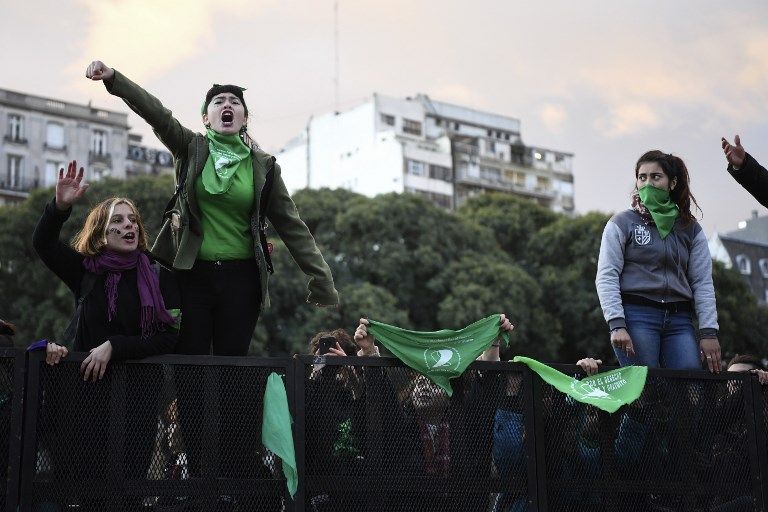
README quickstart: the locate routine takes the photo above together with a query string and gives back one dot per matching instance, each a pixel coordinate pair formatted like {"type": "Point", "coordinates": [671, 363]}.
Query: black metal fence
{"type": "Point", "coordinates": [184, 433]}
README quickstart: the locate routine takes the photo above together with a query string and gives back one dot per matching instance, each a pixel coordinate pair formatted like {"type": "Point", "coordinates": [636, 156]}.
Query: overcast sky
{"type": "Point", "coordinates": [606, 80]}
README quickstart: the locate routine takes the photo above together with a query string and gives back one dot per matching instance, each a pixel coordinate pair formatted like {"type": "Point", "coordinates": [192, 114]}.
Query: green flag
{"type": "Point", "coordinates": [440, 355]}
{"type": "Point", "coordinates": [276, 433]}
{"type": "Point", "coordinates": [607, 391]}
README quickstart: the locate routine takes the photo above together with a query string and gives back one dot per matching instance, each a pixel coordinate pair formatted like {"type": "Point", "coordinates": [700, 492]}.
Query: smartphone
{"type": "Point", "coordinates": [326, 342]}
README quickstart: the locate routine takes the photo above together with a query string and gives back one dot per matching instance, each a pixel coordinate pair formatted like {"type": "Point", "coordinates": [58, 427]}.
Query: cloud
{"type": "Point", "coordinates": [150, 37]}
{"type": "Point", "coordinates": [553, 116]}
{"type": "Point", "coordinates": [627, 119]}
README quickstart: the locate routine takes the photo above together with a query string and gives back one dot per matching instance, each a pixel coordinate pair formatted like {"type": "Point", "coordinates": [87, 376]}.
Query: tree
{"type": "Point", "coordinates": [564, 256]}
{"type": "Point", "coordinates": [400, 243]}
{"type": "Point", "coordinates": [743, 323]}
{"type": "Point", "coordinates": [513, 220]}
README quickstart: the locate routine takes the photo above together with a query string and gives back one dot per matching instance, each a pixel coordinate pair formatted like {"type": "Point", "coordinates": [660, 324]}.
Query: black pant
{"type": "Point", "coordinates": [220, 303]}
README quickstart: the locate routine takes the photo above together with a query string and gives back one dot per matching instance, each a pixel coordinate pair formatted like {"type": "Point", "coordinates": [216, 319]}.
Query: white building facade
{"type": "Point", "coordinates": [441, 151]}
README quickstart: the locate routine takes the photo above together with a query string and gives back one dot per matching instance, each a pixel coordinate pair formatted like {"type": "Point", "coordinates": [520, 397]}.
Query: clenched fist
{"type": "Point", "coordinates": [97, 70]}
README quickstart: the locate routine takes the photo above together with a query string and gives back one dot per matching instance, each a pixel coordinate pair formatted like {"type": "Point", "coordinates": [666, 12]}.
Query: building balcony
{"type": "Point", "coordinates": [18, 188]}
{"type": "Point", "coordinates": [99, 158]}
{"type": "Point", "coordinates": [58, 149]}
{"type": "Point", "coordinates": [503, 185]}
{"type": "Point", "coordinates": [15, 140]}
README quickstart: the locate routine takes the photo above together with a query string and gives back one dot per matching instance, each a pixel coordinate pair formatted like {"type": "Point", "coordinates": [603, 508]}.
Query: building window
{"type": "Point", "coordinates": [388, 119]}
{"type": "Point", "coordinates": [438, 122]}
{"type": "Point", "coordinates": [54, 136]}
{"type": "Point", "coordinates": [13, 173]}
{"type": "Point", "coordinates": [520, 179]}
{"type": "Point", "coordinates": [51, 172]}
{"type": "Point", "coordinates": [743, 264]}
{"type": "Point", "coordinates": [491, 145]}
{"type": "Point", "coordinates": [412, 127]}
{"type": "Point", "coordinates": [542, 183]}
{"type": "Point", "coordinates": [438, 172]}
{"type": "Point", "coordinates": [417, 168]}
{"type": "Point", "coordinates": [15, 127]}
{"type": "Point", "coordinates": [99, 142]}
{"type": "Point", "coordinates": [763, 264]}
{"type": "Point", "coordinates": [456, 126]}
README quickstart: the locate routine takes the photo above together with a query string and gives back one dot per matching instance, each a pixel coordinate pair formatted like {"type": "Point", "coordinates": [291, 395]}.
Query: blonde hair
{"type": "Point", "coordinates": [91, 239]}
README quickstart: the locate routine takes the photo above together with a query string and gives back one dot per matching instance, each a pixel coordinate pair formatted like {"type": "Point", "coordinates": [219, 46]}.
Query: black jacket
{"type": "Point", "coordinates": [124, 331]}
{"type": "Point", "coordinates": [754, 178]}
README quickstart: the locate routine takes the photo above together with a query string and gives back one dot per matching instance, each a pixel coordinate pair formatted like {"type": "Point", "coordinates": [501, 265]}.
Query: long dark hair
{"type": "Point", "coordinates": [674, 167]}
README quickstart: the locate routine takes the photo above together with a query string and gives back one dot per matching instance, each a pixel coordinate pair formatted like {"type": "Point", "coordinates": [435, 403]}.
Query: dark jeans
{"type": "Point", "coordinates": [660, 338]}
{"type": "Point", "coordinates": [220, 303]}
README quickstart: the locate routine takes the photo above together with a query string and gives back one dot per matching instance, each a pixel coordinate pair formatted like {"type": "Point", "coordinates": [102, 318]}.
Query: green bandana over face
{"type": "Point", "coordinates": [663, 210]}
{"type": "Point", "coordinates": [607, 391]}
{"type": "Point", "coordinates": [440, 355]}
{"type": "Point", "coordinates": [228, 154]}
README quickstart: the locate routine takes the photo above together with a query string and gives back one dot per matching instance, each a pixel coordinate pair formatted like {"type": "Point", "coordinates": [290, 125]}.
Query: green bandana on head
{"type": "Point", "coordinates": [663, 210]}
{"type": "Point", "coordinates": [228, 154]}
{"type": "Point", "coordinates": [440, 355]}
{"type": "Point", "coordinates": [607, 391]}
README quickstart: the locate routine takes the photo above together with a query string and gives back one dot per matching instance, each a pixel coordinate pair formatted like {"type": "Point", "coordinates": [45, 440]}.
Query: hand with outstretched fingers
{"type": "Point", "coordinates": [70, 187]}
{"type": "Point", "coordinates": [735, 154]}
{"type": "Point", "coordinates": [97, 70]}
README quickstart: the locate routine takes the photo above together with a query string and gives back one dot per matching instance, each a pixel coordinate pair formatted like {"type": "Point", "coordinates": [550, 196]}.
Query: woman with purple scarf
{"type": "Point", "coordinates": [124, 315]}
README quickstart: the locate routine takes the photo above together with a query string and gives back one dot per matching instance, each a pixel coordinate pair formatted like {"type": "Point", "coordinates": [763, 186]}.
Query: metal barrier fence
{"type": "Point", "coordinates": [184, 433]}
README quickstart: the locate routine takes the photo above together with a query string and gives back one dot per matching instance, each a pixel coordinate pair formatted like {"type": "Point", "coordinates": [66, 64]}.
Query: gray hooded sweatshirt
{"type": "Point", "coordinates": [634, 259]}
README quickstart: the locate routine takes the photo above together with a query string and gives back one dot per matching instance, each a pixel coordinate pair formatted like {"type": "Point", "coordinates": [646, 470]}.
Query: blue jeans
{"type": "Point", "coordinates": [660, 338]}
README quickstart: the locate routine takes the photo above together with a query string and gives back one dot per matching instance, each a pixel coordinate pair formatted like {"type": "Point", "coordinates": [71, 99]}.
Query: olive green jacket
{"type": "Point", "coordinates": [181, 235]}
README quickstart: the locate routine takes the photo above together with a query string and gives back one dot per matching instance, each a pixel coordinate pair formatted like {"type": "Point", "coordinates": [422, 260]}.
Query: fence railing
{"type": "Point", "coordinates": [184, 433]}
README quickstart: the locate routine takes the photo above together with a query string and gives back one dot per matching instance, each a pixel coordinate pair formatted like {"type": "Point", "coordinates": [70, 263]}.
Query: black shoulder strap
{"type": "Point", "coordinates": [266, 193]}
{"type": "Point", "coordinates": [86, 286]}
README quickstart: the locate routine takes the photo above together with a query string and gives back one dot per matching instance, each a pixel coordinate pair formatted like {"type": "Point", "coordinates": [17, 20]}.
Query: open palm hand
{"type": "Point", "coordinates": [70, 186]}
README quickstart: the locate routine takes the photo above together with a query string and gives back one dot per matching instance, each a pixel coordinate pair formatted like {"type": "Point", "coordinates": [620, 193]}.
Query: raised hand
{"type": "Point", "coordinates": [734, 153]}
{"type": "Point", "coordinates": [97, 70]}
{"type": "Point", "coordinates": [70, 187]}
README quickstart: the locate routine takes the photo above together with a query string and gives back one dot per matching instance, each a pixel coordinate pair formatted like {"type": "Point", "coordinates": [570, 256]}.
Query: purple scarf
{"type": "Point", "coordinates": [153, 312]}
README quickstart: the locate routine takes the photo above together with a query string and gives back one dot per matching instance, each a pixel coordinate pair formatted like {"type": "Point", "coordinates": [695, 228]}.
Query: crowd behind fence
{"type": "Point", "coordinates": [184, 433]}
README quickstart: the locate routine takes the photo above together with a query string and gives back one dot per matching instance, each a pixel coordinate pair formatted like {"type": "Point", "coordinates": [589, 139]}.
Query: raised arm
{"type": "Point", "coordinates": [746, 170]}
{"type": "Point", "coordinates": [63, 261]}
{"type": "Point", "coordinates": [301, 244]}
{"type": "Point", "coordinates": [167, 128]}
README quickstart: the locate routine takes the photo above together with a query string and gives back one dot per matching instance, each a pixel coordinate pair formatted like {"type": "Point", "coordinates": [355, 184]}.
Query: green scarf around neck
{"type": "Point", "coordinates": [661, 207]}
{"type": "Point", "coordinates": [228, 154]}
{"type": "Point", "coordinates": [440, 355]}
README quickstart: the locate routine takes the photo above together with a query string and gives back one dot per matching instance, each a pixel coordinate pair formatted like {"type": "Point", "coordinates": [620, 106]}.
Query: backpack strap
{"type": "Point", "coordinates": [86, 286]}
{"type": "Point", "coordinates": [266, 193]}
{"type": "Point", "coordinates": [179, 187]}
